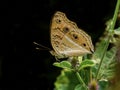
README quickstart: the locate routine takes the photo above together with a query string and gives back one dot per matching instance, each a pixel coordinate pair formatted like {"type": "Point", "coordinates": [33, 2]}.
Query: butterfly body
{"type": "Point", "coordinates": [67, 39]}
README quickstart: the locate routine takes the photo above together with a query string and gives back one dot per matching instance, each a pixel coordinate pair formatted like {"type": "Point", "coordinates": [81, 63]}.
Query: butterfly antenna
{"type": "Point", "coordinates": [41, 46]}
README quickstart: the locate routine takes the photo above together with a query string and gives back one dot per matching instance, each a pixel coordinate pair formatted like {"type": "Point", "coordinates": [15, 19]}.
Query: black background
{"type": "Point", "coordinates": [23, 22]}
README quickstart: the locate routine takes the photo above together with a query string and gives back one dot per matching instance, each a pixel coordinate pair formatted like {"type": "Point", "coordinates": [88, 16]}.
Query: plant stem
{"type": "Point", "coordinates": [115, 16]}
{"type": "Point", "coordinates": [111, 30]}
{"type": "Point", "coordinates": [104, 53]}
{"type": "Point", "coordinates": [80, 79]}
{"type": "Point", "coordinates": [90, 75]}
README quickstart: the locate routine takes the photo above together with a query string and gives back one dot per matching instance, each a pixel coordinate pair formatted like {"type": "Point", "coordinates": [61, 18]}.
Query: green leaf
{"type": "Point", "coordinates": [86, 63]}
{"type": "Point", "coordinates": [67, 80]}
{"type": "Point", "coordinates": [80, 87]}
{"type": "Point", "coordinates": [103, 84]}
{"type": "Point", "coordinates": [63, 64]}
{"type": "Point", "coordinates": [108, 65]}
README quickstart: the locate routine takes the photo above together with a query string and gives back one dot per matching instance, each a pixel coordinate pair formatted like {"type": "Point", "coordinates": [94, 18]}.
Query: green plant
{"type": "Point", "coordinates": [94, 73]}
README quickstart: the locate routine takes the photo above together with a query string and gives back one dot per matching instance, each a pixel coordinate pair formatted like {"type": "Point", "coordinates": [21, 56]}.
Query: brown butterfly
{"type": "Point", "coordinates": [67, 39]}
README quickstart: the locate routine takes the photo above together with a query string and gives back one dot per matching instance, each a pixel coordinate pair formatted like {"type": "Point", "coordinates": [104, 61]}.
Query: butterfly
{"type": "Point", "coordinates": [67, 39]}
